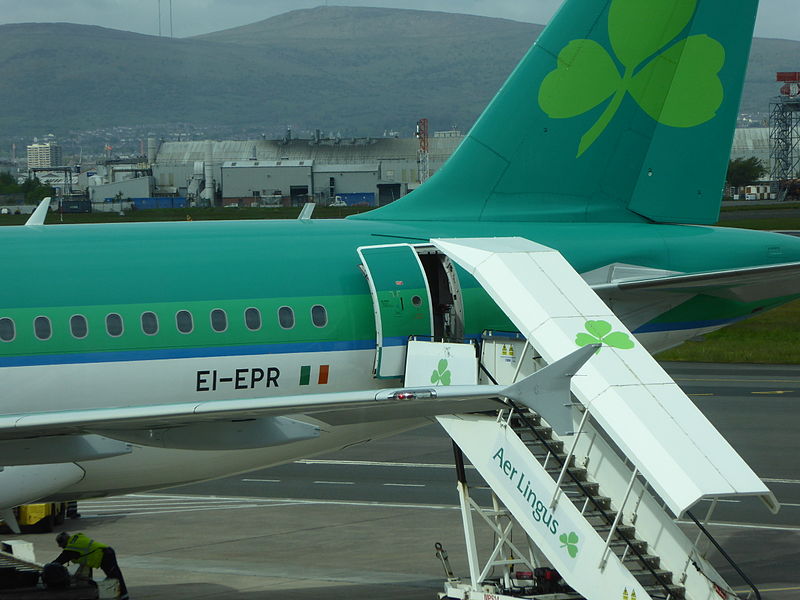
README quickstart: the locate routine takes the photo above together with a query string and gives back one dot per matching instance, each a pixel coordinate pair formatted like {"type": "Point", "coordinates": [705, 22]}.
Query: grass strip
{"type": "Point", "coordinates": [771, 338]}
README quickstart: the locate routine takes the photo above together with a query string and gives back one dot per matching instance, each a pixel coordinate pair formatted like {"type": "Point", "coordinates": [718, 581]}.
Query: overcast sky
{"type": "Point", "coordinates": [777, 18]}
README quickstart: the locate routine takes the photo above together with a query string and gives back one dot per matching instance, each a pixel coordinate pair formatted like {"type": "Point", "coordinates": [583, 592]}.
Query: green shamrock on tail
{"type": "Point", "coordinates": [680, 87]}
{"type": "Point", "coordinates": [600, 331]}
{"type": "Point", "coordinates": [441, 375]}
{"type": "Point", "coordinates": [570, 542]}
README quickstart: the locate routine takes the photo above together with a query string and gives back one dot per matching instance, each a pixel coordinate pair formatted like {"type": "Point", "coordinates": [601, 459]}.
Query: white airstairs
{"type": "Point", "coordinates": [598, 483]}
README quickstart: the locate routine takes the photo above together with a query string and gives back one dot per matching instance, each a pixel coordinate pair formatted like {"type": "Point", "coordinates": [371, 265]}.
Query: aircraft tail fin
{"type": "Point", "coordinates": [623, 110]}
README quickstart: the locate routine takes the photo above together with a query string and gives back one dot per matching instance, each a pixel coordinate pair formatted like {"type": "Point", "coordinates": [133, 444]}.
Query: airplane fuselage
{"type": "Point", "coordinates": [196, 311]}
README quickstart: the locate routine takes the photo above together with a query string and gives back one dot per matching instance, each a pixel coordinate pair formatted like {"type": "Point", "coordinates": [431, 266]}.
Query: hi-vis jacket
{"type": "Point", "coordinates": [91, 552]}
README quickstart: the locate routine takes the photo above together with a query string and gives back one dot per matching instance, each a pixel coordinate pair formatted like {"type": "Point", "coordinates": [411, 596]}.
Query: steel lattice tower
{"type": "Point", "coordinates": [784, 131]}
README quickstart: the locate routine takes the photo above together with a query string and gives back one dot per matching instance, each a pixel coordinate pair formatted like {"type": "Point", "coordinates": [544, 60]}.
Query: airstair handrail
{"type": "Point", "coordinates": [725, 555]}
{"type": "Point", "coordinates": [596, 504]}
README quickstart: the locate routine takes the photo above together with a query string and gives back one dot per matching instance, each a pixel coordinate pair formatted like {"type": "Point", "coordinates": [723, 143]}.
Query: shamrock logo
{"type": "Point", "coordinates": [600, 331]}
{"type": "Point", "coordinates": [441, 375]}
{"type": "Point", "coordinates": [570, 542]}
{"type": "Point", "coordinates": [679, 87]}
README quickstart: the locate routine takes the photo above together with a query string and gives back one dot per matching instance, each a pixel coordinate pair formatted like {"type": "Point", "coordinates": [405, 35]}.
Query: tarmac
{"type": "Point", "coordinates": [363, 524]}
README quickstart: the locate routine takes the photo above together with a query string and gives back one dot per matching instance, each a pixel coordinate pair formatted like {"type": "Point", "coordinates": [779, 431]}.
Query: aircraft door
{"type": "Point", "coordinates": [401, 301]}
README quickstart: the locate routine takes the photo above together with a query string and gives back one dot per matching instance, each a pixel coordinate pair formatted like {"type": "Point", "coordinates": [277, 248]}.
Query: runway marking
{"type": "Point", "coordinates": [774, 392]}
{"type": "Point", "coordinates": [148, 506]}
{"type": "Point", "coordinates": [747, 526]}
{"type": "Point", "coordinates": [418, 485]}
{"type": "Point", "coordinates": [692, 395]}
{"type": "Point", "coordinates": [789, 589]}
{"type": "Point", "coordinates": [335, 482]}
{"type": "Point", "coordinates": [263, 480]}
{"type": "Point", "coordinates": [372, 463]}
{"type": "Point", "coordinates": [788, 481]}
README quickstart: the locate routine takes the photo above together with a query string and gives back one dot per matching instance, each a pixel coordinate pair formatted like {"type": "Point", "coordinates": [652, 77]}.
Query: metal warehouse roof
{"type": "Point", "coordinates": [344, 151]}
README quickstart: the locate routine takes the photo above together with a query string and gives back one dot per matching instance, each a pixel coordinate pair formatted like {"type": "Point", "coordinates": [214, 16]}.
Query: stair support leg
{"type": "Point", "coordinates": [469, 535]}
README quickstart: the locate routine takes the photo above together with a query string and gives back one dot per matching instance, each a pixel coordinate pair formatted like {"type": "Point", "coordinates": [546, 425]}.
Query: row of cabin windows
{"type": "Point", "coordinates": [184, 322]}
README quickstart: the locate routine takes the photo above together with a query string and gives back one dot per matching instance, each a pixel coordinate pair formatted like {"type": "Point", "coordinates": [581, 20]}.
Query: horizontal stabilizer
{"type": "Point", "coordinates": [745, 285]}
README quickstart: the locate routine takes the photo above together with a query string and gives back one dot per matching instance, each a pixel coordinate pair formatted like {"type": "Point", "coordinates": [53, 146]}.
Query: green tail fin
{"type": "Point", "coordinates": [623, 110]}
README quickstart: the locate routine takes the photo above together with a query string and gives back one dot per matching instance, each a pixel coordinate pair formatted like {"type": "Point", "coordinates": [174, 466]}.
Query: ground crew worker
{"type": "Point", "coordinates": [84, 551]}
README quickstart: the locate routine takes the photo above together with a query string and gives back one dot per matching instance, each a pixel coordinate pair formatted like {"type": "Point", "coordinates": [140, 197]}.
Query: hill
{"type": "Point", "coordinates": [360, 70]}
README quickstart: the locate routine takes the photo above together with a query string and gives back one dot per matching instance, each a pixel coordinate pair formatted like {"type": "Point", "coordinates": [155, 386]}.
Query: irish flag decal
{"type": "Point", "coordinates": [322, 374]}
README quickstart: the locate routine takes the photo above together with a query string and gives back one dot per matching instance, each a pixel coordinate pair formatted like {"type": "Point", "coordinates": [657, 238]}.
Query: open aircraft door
{"type": "Point", "coordinates": [401, 300]}
{"type": "Point", "coordinates": [415, 292]}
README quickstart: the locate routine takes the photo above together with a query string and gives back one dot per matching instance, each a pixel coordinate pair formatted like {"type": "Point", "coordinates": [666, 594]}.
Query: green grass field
{"type": "Point", "coordinates": [183, 214]}
{"type": "Point", "coordinates": [772, 338]}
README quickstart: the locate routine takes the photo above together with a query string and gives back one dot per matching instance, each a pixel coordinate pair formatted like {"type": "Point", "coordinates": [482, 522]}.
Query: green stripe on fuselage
{"type": "Point", "coordinates": [59, 271]}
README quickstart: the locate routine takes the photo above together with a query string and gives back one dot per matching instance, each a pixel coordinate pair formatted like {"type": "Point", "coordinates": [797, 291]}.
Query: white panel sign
{"type": "Point", "coordinates": [440, 364]}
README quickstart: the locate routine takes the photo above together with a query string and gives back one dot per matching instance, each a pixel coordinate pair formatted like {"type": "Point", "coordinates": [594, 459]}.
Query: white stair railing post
{"type": "Point", "coordinates": [519, 361]}
{"type": "Point", "coordinates": [617, 519]}
{"type": "Point", "coordinates": [565, 466]}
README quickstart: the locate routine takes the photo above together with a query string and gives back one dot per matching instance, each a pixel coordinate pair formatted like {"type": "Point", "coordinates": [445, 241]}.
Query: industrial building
{"type": "Point", "coordinates": [372, 171]}
{"type": "Point", "coordinates": [752, 141]}
{"type": "Point", "coordinates": [291, 171]}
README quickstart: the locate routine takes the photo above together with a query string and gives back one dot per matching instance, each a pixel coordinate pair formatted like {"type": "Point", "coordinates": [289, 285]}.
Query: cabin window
{"type": "Point", "coordinates": [319, 316]}
{"type": "Point", "coordinates": [42, 328]}
{"type": "Point", "coordinates": [7, 329]}
{"type": "Point", "coordinates": [286, 317]}
{"type": "Point", "coordinates": [184, 321]}
{"type": "Point", "coordinates": [114, 325]}
{"type": "Point", "coordinates": [78, 326]}
{"type": "Point", "coordinates": [149, 323]}
{"type": "Point", "coordinates": [252, 319]}
{"type": "Point", "coordinates": [219, 320]}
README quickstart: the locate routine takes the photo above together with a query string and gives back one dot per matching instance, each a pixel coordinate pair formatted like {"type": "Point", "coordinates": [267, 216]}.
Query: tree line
{"type": "Point", "coordinates": [32, 189]}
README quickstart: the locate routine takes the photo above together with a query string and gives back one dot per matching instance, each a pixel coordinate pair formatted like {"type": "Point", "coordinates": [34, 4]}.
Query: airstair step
{"type": "Point", "coordinates": [554, 460]}
{"type": "Point", "coordinates": [648, 577]}
{"type": "Point", "coordinates": [578, 473]}
{"type": "Point", "coordinates": [618, 547]}
{"type": "Point", "coordinates": [650, 559]}
{"type": "Point", "coordinates": [537, 446]}
{"type": "Point", "coordinates": [677, 592]}
{"type": "Point", "coordinates": [584, 487]}
{"type": "Point", "coordinates": [524, 432]}
{"type": "Point", "coordinates": [603, 502]}
{"type": "Point", "coordinates": [624, 530]}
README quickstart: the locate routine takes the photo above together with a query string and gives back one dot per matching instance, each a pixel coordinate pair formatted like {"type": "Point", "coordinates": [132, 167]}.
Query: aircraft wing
{"type": "Point", "coordinates": [546, 391]}
{"type": "Point", "coordinates": [746, 285]}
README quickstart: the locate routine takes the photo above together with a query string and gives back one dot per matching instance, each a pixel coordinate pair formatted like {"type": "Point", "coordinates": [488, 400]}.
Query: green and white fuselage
{"type": "Point", "coordinates": [128, 270]}
{"type": "Point", "coordinates": [609, 143]}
